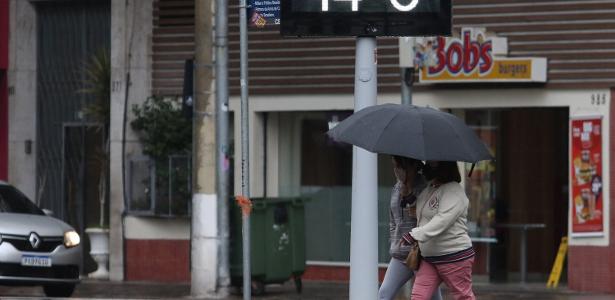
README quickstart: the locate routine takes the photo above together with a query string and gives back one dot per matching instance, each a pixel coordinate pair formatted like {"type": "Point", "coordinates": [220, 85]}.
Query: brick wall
{"type": "Point", "coordinates": [592, 268]}
{"type": "Point", "coordinates": [158, 260]}
{"type": "Point", "coordinates": [332, 273]}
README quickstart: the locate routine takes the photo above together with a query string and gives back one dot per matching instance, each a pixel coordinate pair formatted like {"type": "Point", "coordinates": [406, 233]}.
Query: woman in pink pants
{"type": "Point", "coordinates": [442, 234]}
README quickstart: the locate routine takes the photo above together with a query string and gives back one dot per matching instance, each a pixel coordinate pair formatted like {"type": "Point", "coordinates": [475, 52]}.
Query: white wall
{"type": "Point", "coordinates": [139, 228]}
{"type": "Point", "coordinates": [22, 102]}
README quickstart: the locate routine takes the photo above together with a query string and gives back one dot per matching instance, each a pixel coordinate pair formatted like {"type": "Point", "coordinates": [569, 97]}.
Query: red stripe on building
{"type": "Point", "coordinates": [158, 260]}
{"type": "Point", "coordinates": [4, 103]}
{"type": "Point", "coordinates": [333, 273]}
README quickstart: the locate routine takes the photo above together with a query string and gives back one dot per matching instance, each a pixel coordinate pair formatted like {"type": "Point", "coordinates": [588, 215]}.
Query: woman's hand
{"type": "Point", "coordinates": [406, 239]}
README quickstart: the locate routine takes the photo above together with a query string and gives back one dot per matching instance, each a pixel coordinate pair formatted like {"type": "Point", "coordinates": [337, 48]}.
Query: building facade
{"type": "Point", "coordinates": [546, 173]}
{"type": "Point", "coordinates": [299, 86]}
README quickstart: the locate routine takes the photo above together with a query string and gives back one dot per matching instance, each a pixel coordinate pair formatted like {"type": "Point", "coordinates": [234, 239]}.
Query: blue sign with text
{"type": "Point", "coordinates": [264, 12]}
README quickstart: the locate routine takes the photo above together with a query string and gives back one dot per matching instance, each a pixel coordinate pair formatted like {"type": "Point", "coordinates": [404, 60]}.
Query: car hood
{"type": "Point", "coordinates": [24, 224]}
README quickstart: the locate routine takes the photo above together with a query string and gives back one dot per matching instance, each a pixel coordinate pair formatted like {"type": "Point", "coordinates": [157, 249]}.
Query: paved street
{"type": "Point", "coordinates": [312, 290]}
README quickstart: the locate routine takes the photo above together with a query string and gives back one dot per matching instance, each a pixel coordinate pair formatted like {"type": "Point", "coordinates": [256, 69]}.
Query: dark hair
{"type": "Point", "coordinates": [447, 171]}
{"type": "Point", "coordinates": [405, 162]}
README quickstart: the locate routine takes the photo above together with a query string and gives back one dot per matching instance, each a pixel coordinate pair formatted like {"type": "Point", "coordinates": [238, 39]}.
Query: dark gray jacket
{"type": "Point", "coordinates": [402, 220]}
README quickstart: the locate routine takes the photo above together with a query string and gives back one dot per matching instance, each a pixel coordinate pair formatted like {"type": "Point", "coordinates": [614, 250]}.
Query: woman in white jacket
{"type": "Point", "coordinates": [442, 234]}
{"type": "Point", "coordinates": [402, 218]}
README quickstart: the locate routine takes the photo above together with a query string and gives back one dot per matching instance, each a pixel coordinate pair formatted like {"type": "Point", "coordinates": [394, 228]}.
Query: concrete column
{"type": "Point", "coordinates": [22, 95]}
{"type": "Point", "coordinates": [204, 247]}
{"type": "Point", "coordinates": [131, 32]}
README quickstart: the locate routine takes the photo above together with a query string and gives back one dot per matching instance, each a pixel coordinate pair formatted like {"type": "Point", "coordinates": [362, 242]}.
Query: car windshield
{"type": "Point", "coordinates": [13, 201]}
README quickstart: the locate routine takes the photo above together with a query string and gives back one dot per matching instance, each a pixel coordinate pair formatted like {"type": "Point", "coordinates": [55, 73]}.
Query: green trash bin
{"type": "Point", "coordinates": [277, 232]}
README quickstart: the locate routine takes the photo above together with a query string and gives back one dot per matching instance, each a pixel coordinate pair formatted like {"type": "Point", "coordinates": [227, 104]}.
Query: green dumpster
{"type": "Point", "coordinates": [277, 232]}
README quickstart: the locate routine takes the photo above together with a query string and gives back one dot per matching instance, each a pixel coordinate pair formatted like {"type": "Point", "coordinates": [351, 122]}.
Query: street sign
{"type": "Point", "coordinates": [365, 17]}
{"type": "Point", "coordinates": [264, 12]}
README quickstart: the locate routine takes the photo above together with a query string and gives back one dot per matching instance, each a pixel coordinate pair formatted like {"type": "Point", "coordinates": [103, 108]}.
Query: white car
{"type": "Point", "coordinates": [36, 249]}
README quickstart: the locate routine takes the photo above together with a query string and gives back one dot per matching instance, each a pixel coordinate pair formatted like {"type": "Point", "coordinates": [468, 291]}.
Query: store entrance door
{"type": "Point", "coordinates": [527, 184]}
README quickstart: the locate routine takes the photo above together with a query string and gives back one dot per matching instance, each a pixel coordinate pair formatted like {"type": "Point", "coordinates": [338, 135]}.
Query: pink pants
{"type": "Point", "coordinates": [457, 276]}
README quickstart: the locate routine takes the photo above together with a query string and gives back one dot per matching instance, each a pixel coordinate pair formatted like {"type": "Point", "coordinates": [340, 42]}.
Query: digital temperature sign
{"type": "Point", "coordinates": [365, 17]}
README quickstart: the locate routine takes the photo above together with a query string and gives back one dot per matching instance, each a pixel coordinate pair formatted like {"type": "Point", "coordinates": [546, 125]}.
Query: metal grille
{"type": "Point", "coordinates": [21, 243]}
{"type": "Point", "coordinates": [69, 33]}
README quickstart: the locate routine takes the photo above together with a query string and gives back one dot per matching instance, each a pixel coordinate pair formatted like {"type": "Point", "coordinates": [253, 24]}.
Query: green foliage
{"type": "Point", "coordinates": [98, 85]}
{"type": "Point", "coordinates": [162, 128]}
{"type": "Point", "coordinates": [164, 132]}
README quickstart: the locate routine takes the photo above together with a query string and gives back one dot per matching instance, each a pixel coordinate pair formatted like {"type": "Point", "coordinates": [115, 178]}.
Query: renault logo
{"type": "Point", "coordinates": [35, 240]}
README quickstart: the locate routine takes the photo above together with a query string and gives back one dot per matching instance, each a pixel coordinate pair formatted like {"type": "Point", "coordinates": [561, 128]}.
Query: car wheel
{"type": "Point", "coordinates": [60, 290]}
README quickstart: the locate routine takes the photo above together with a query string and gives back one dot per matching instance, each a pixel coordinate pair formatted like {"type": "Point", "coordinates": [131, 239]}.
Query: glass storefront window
{"type": "Point", "coordinates": [313, 166]}
{"type": "Point", "coordinates": [481, 187]}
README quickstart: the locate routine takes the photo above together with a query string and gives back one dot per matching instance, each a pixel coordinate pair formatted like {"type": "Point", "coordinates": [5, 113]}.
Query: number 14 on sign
{"type": "Point", "coordinates": [355, 4]}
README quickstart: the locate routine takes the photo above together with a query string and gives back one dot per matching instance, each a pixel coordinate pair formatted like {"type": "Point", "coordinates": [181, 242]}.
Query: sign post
{"type": "Point", "coordinates": [245, 150]}
{"type": "Point", "coordinates": [364, 214]}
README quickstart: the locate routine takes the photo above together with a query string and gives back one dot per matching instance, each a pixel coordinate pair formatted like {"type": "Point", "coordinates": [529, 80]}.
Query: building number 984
{"type": "Point", "coordinates": [598, 99]}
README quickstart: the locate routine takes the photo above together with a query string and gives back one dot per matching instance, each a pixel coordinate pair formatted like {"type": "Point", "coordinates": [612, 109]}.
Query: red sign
{"type": "Point", "coordinates": [472, 57]}
{"type": "Point", "coordinates": [465, 55]}
{"type": "Point", "coordinates": [586, 169]}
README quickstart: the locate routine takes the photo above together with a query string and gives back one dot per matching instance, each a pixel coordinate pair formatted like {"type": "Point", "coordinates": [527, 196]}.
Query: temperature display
{"type": "Point", "coordinates": [366, 17]}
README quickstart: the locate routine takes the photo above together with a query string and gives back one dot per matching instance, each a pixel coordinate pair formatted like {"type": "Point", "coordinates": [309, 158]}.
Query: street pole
{"type": "Point", "coordinates": [245, 150]}
{"type": "Point", "coordinates": [364, 214]}
{"type": "Point", "coordinates": [204, 242]}
{"type": "Point", "coordinates": [223, 164]}
{"type": "Point", "coordinates": [407, 81]}
{"type": "Point", "coordinates": [406, 62]}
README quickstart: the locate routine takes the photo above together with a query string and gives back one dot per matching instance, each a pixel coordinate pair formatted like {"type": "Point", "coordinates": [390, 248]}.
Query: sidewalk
{"type": "Point", "coordinates": [311, 290]}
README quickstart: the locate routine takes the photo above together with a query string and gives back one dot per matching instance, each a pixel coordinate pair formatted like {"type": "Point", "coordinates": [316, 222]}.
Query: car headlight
{"type": "Point", "coordinates": [71, 239]}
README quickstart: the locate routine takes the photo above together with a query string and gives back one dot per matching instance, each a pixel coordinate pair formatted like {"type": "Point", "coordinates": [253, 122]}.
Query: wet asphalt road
{"type": "Point", "coordinates": [311, 290]}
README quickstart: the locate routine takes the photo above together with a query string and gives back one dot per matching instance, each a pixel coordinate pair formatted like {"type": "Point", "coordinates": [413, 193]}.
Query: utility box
{"type": "Point", "coordinates": [277, 233]}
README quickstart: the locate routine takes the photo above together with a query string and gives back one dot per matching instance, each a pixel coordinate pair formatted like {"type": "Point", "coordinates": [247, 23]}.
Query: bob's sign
{"type": "Point", "coordinates": [472, 57]}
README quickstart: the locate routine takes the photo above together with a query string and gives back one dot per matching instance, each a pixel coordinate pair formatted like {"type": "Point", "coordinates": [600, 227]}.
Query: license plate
{"type": "Point", "coordinates": [35, 261]}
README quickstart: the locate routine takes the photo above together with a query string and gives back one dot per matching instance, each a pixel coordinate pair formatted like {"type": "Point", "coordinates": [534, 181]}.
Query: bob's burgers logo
{"type": "Point", "coordinates": [472, 53]}
{"type": "Point", "coordinates": [473, 56]}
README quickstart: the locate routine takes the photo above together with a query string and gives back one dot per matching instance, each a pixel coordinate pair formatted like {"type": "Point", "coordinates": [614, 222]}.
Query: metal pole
{"type": "Point", "coordinates": [221, 42]}
{"type": "Point", "coordinates": [364, 215]}
{"type": "Point", "coordinates": [245, 150]}
{"type": "Point", "coordinates": [523, 261]}
{"type": "Point", "coordinates": [407, 80]}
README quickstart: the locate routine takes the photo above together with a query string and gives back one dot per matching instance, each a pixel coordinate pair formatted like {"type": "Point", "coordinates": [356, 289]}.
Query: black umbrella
{"type": "Point", "coordinates": [418, 132]}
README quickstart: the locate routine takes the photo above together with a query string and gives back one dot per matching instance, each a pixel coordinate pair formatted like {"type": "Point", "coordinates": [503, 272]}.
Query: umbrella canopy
{"type": "Point", "coordinates": [418, 132]}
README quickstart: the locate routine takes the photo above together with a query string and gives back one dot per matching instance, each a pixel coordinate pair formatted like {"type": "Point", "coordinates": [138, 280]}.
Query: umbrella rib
{"type": "Point", "coordinates": [423, 135]}
{"type": "Point", "coordinates": [463, 141]}
{"type": "Point", "coordinates": [384, 129]}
